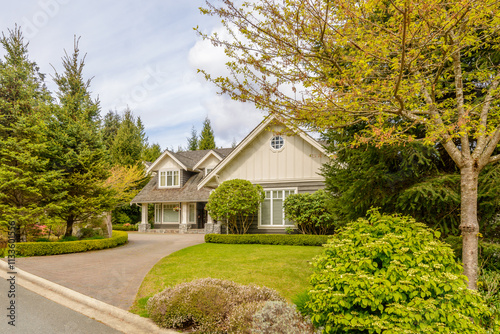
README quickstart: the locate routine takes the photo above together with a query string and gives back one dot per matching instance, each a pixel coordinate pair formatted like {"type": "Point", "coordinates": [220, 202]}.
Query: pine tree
{"type": "Point", "coordinates": [110, 127]}
{"type": "Point", "coordinates": [27, 185]}
{"type": "Point", "coordinates": [151, 152]}
{"type": "Point", "coordinates": [129, 141]}
{"type": "Point", "coordinates": [79, 149]}
{"type": "Point", "coordinates": [414, 179]}
{"type": "Point", "coordinates": [192, 144]}
{"type": "Point", "coordinates": [207, 140]}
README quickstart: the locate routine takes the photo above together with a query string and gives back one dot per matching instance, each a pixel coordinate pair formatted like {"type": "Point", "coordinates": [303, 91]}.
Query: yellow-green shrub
{"type": "Point", "coordinates": [390, 274]}
{"type": "Point", "coordinates": [53, 248]}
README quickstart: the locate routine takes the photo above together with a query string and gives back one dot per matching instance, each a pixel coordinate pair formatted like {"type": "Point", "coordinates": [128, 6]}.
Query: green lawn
{"type": "Point", "coordinates": [283, 268]}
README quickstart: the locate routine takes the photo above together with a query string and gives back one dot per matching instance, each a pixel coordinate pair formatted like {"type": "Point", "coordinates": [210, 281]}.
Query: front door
{"type": "Point", "coordinates": [201, 215]}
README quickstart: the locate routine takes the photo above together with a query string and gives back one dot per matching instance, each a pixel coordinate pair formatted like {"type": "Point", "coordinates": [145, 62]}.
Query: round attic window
{"type": "Point", "coordinates": [277, 143]}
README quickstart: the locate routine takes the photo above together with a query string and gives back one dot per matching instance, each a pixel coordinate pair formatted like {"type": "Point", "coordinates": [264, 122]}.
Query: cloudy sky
{"type": "Point", "coordinates": [144, 54]}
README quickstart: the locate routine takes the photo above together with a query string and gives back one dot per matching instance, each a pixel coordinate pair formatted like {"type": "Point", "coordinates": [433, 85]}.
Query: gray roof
{"type": "Point", "coordinates": [189, 191]}
{"type": "Point", "coordinates": [191, 158]}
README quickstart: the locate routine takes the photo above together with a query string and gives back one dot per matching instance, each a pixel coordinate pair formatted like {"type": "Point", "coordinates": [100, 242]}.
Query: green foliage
{"type": "Point", "coordinates": [310, 212]}
{"type": "Point", "coordinates": [489, 253]}
{"type": "Point", "coordinates": [204, 304]}
{"type": "Point", "coordinates": [390, 274]}
{"type": "Point", "coordinates": [125, 227]}
{"type": "Point", "coordinates": [489, 287]}
{"type": "Point", "coordinates": [64, 247]}
{"type": "Point", "coordinates": [414, 179]}
{"type": "Point", "coordinates": [78, 149]}
{"type": "Point", "coordinates": [192, 142]}
{"type": "Point", "coordinates": [234, 202]}
{"type": "Point", "coordinates": [268, 239]}
{"type": "Point", "coordinates": [86, 232]}
{"type": "Point", "coordinates": [300, 300]}
{"type": "Point", "coordinates": [207, 139]}
{"type": "Point", "coordinates": [110, 126]}
{"type": "Point", "coordinates": [129, 142]}
{"type": "Point", "coordinates": [68, 238]}
{"type": "Point", "coordinates": [29, 188]}
{"type": "Point", "coordinates": [151, 152]}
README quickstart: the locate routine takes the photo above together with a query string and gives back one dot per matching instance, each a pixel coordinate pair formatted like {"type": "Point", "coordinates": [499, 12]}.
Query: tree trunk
{"type": "Point", "coordinates": [469, 224]}
{"type": "Point", "coordinates": [69, 226]}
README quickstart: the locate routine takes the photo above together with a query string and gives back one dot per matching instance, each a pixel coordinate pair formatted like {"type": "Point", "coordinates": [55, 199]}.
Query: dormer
{"type": "Point", "coordinates": [208, 162]}
{"type": "Point", "coordinates": [169, 170]}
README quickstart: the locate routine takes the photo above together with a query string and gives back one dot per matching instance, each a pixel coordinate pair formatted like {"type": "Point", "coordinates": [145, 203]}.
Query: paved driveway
{"type": "Point", "coordinates": [112, 275]}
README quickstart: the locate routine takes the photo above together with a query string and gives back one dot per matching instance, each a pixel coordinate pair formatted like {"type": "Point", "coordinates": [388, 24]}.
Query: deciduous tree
{"type": "Point", "coordinates": [328, 64]}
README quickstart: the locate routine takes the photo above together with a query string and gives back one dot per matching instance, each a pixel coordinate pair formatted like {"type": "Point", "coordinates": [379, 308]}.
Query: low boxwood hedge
{"type": "Point", "coordinates": [268, 239]}
{"type": "Point", "coordinates": [53, 248]}
{"type": "Point", "coordinates": [123, 227]}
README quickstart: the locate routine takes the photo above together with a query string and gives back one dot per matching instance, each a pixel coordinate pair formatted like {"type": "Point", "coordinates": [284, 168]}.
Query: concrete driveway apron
{"type": "Point", "coordinates": [111, 275]}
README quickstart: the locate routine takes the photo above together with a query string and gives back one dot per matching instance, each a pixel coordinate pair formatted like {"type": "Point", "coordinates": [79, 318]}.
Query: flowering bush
{"type": "Point", "coordinates": [390, 274]}
{"type": "Point", "coordinates": [204, 304]}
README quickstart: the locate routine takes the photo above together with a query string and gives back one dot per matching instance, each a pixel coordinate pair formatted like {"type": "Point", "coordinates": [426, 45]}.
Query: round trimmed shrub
{"type": "Point", "coordinates": [204, 304]}
{"type": "Point", "coordinates": [390, 274]}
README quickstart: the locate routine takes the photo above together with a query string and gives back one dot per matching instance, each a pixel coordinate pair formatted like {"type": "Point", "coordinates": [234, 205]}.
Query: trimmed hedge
{"type": "Point", "coordinates": [268, 239]}
{"type": "Point", "coordinates": [122, 227]}
{"type": "Point", "coordinates": [53, 248]}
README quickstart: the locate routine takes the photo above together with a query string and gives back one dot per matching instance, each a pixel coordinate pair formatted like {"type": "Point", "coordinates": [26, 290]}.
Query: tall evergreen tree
{"type": "Point", "coordinates": [129, 141]}
{"type": "Point", "coordinates": [192, 144]}
{"type": "Point", "coordinates": [414, 179]}
{"type": "Point", "coordinates": [151, 152]}
{"type": "Point", "coordinates": [79, 150]}
{"type": "Point", "coordinates": [207, 140]}
{"type": "Point", "coordinates": [110, 127]}
{"type": "Point", "coordinates": [26, 183]}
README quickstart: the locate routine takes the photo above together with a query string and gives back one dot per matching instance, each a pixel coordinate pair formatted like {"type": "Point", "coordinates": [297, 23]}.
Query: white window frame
{"type": "Point", "coordinates": [191, 206]}
{"type": "Point", "coordinates": [271, 143]}
{"type": "Point", "coordinates": [283, 225]}
{"type": "Point", "coordinates": [164, 173]}
{"type": "Point", "coordinates": [159, 207]}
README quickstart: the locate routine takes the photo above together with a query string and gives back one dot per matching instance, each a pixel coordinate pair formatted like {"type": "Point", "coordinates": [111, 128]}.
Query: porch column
{"type": "Point", "coordinates": [144, 225]}
{"type": "Point", "coordinates": [209, 225]}
{"type": "Point", "coordinates": [183, 226]}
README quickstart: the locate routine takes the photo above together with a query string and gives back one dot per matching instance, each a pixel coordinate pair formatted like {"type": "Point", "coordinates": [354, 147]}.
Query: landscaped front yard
{"type": "Point", "coordinates": [283, 268]}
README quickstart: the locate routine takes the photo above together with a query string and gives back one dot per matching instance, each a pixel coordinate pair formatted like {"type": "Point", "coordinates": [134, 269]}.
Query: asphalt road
{"type": "Point", "coordinates": [38, 315]}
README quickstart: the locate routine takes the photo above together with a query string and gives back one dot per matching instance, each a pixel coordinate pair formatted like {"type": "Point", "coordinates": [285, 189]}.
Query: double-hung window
{"type": "Point", "coordinates": [271, 210]}
{"type": "Point", "coordinates": [169, 178]}
{"type": "Point", "coordinates": [166, 213]}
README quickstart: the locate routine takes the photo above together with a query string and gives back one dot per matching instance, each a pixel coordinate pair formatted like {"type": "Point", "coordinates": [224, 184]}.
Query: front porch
{"type": "Point", "coordinates": [178, 217]}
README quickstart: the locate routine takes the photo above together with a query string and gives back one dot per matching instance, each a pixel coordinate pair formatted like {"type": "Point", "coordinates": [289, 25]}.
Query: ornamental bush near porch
{"type": "Point", "coordinates": [390, 274]}
{"type": "Point", "coordinates": [235, 202]}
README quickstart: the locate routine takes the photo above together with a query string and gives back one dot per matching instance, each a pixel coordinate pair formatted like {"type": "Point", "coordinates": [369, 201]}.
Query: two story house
{"type": "Point", "coordinates": [282, 161]}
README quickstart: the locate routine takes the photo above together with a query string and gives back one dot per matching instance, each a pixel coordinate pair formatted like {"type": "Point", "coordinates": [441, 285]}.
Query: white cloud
{"type": "Point", "coordinates": [144, 54]}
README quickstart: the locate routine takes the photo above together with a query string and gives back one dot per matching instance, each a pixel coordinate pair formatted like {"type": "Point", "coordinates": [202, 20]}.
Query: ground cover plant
{"type": "Point", "coordinates": [391, 274]}
{"type": "Point", "coordinates": [285, 269]}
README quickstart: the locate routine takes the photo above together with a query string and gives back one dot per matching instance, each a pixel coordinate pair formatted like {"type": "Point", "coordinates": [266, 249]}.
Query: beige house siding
{"type": "Point", "coordinates": [168, 163]}
{"type": "Point", "coordinates": [259, 163]}
{"type": "Point", "coordinates": [210, 162]}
